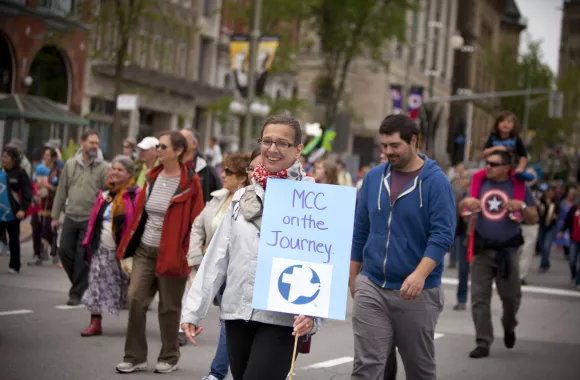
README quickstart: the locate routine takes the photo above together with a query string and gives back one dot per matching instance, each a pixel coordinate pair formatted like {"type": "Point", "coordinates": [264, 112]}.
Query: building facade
{"type": "Point", "coordinates": [485, 24]}
{"type": "Point", "coordinates": [426, 61]}
{"type": "Point", "coordinates": [42, 61]}
{"type": "Point", "coordinates": [171, 66]}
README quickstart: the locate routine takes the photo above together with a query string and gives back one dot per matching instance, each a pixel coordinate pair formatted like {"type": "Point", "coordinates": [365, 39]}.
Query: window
{"type": "Point", "coordinates": [203, 59]}
{"type": "Point", "coordinates": [56, 6]}
{"type": "Point", "coordinates": [141, 49]}
{"type": "Point", "coordinates": [168, 56]}
{"type": "Point", "coordinates": [207, 8]}
{"type": "Point", "coordinates": [156, 52]}
{"type": "Point", "coordinates": [182, 59]}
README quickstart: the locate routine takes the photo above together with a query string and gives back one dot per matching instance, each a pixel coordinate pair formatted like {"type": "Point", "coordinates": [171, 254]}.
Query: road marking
{"type": "Point", "coordinates": [15, 312]}
{"type": "Point", "coordinates": [67, 307]}
{"type": "Point", "coordinates": [344, 360]}
{"type": "Point", "coordinates": [526, 288]}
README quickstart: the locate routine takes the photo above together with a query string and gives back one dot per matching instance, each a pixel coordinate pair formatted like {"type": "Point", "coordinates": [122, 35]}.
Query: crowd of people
{"type": "Point", "coordinates": [164, 219]}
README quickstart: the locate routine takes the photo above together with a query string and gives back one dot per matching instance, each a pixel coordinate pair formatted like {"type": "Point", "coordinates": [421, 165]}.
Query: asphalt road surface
{"type": "Point", "coordinates": [40, 336]}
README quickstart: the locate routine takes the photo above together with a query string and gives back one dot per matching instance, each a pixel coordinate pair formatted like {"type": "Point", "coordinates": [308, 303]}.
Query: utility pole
{"type": "Point", "coordinates": [254, 38]}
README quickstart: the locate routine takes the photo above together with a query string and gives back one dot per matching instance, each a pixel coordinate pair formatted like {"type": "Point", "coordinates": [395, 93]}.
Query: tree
{"type": "Point", "coordinates": [123, 21]}
{"type": "Point", "coordinates": [346, 29]}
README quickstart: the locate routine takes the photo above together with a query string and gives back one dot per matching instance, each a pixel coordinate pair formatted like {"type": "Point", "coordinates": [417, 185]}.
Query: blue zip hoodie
{"type": "Point", "coordinates": [391, 240]}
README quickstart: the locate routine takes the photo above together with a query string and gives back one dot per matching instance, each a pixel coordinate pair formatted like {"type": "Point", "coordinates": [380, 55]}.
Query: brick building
{"type": "Point", "coordinates": [42, 58]}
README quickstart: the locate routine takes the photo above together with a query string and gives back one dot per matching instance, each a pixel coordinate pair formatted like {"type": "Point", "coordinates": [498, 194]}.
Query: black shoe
{"type": "Point", "coordinates": [452, 266]}
{"type": "Point", "coordinates": [181, 339]}
{"type": "Point", "coordinates": [523, 282]}
{"type": "Point", "coordinates": [73, 301]}
{"type": "Point", "coordinates": [459, 307]}
{"type": "Point", "coordinates": [479, 352]}
{"type": "Point", "coordinates": [509, 339]}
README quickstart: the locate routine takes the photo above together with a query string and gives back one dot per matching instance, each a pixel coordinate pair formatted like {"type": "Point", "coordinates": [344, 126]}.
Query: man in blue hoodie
{"type": "Point", "coordinates": [405, 223]}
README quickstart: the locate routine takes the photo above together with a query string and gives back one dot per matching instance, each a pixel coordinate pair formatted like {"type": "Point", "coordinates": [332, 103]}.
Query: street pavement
{"type": "Point", "coordinates": [40, 336]}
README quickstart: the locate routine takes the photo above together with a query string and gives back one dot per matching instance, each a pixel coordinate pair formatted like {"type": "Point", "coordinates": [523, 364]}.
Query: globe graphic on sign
{"type": "Point", "coordinates": [299, 285]}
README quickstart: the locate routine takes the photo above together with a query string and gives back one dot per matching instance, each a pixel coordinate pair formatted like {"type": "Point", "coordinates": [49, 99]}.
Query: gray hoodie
{"type": "Point", "coordinates": [79, 185]}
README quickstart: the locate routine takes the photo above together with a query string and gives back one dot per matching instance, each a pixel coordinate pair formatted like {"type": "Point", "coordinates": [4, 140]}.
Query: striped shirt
{"type": "Point", "coordinates": [156, 207]}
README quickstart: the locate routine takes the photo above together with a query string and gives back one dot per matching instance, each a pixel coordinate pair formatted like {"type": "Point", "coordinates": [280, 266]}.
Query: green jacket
{"type": "Point", "coordinates": [79, 185]}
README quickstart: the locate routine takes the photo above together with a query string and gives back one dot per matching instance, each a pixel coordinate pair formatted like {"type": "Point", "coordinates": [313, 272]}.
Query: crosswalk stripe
{"type": "Point", "coordinates": [67, 307]}
{"type": "Point", "coordinates": [526, 288]}
{"type": "Point", "coordinates": [15, 312]}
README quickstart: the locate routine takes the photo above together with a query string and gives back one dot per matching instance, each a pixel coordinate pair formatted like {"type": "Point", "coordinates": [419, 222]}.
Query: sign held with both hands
{"type": "Point", "coordinates": [304, 252]}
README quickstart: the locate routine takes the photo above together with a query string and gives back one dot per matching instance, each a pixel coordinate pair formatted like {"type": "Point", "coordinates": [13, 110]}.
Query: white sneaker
{"type": "Point", "coordinates": [126, 367]}
{"type": "Point", "coordinates": [210, 377]}
{"type": "Point", "coordinates": [12, 271]}
{"type": "Point", "coordinates": [163, 367]}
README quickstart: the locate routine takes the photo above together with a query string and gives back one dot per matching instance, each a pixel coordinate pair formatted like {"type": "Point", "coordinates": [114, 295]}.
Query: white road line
{"type": "Point", "coordinates": [67, 307]}
{"type": "Point", "coordinates": [343, 360]}
{"type": "Point", "coordinates": [15, 312]}
{"type": "Point", "coordinates": [526, 288]}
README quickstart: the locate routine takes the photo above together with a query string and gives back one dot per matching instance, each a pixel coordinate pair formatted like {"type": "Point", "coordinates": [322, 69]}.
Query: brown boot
{"type": "Point", "coordinates": [94, 328]}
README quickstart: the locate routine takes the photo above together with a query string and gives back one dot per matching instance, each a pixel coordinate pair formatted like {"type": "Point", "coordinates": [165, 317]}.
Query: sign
{"type": "Point", "coordinates": [127, 102]}
{"type": "Point", "coordinates": [556, 105]}
{"type": "Point", "coordinates": [304, 252]}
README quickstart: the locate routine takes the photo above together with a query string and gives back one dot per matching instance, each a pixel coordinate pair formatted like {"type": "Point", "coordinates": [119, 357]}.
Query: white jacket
{"type": "Point", "coordinates": [232, 253]}
{"type": "Point", "coordinates": [202, 230]}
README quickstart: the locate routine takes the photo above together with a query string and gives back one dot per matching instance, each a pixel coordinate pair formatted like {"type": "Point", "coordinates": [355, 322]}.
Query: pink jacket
{"type": "Point", "coordinates": [129, 199]}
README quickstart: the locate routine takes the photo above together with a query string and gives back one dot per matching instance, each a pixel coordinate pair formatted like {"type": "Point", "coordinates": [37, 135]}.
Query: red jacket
{"type": "Point", "coordinates": [184, 207]}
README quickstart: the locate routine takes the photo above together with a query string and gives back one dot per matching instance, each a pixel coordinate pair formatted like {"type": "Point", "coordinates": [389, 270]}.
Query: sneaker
{"type": "Point", "coordinates": [13, 271]}
{"type": "Point", "coordinates": [509, 339]}
{"type": "Point", "coordinates": [459, 307]}
{"type": "Point", "coordinates": [37, 262]}
{"type": "Point", "coordinates": [126, 367]}
{"type": "Point", "coordinates": [163, 367]}
{"type": "Point", "coordinates": [479, 352]}
{"type": "Point", "coordinates": [73, 301]}
{"type": "Point", "coordinates": [210, 377]}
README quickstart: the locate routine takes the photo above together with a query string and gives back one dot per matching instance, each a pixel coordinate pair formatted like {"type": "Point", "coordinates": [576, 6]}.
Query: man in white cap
{"type": "Point", "coordinates": [147, 158]}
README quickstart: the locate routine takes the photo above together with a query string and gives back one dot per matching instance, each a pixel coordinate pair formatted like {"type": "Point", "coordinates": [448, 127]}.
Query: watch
{"type": "Point", "coordinates": [524, 207]}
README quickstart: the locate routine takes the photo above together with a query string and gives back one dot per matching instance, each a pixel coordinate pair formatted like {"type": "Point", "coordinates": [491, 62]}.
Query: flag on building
{"type": "Point", "coordinates": [397, 95]}
{"type": "Point", "coordinates": [415, 101]}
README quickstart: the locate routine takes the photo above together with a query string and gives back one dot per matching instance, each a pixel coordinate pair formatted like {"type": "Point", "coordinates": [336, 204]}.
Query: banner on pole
{"type": "Point", "coordinates": [304, 251]}
{"type": "Point", "coordinates": [240, 60]}
{"type": "Point", "coordinates": [415, 101]}
{"type": "Point", "coordinates": [397, 95]}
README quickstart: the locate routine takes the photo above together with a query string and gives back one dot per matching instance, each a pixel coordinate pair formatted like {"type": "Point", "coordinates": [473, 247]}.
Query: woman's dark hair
{"type": "Point", "coordinates": [13, 152]}
{"type": "Point", "coordinates": [237, 163]}
{"type": "Point", "coordinates": [331, 171]}
{"type": "Point", "coordinates": [285, 120]}
{"type": "Point", "coordinates": [51, 151]}
{"type": "Point", "coordinates": [403, 124]}
{"type": "Point", "coordinates": [256, 153]}
{"type": "Point", "coordinates": [503, 116]}
{"type": "Point", "coordinates": [177, 141]}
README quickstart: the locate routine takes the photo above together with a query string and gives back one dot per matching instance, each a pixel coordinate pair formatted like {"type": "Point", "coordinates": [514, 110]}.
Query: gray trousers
{"type": "Point", "coordinates": [382, 320]}
{"type": "Point", "coordinates": [484, 270]}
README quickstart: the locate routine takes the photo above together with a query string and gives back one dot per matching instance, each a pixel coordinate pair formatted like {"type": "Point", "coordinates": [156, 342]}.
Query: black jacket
{"type": "Point", "coordinates": [19, 189]}
{"type": "Point", "coordinates": [208, 177]}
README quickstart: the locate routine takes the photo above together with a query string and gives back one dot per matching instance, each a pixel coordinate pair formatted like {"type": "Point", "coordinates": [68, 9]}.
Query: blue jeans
{"type": "Point", "coordinates": [547, 238]}
{"type": "Point", "coordinates": [460, 252]}
{"type": "Point", "coordinates": [221, 362]}
{"type": "Point", "coordinates": [574, 261]}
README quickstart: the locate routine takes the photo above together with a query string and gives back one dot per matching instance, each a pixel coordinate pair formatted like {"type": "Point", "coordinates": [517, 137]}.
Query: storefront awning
{"type": "Point", "coordinates": [36, 108]}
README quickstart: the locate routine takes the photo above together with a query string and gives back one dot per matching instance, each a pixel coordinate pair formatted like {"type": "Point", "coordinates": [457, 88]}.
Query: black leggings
{"type": "Point", "coordinates": [259, 351]}
{"type": "Point", "coordinates": [13, 229]}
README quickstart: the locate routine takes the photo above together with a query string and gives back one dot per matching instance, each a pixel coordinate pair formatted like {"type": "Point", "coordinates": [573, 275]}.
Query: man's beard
{"type": "Point", "coordinates": [91, 153]}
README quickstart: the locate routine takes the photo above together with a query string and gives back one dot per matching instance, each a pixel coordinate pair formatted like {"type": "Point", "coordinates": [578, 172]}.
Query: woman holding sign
{"type": "Point", "coordinates": [260, 342]}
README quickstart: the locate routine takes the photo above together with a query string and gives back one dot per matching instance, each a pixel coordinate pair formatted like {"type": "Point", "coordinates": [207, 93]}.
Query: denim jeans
{"type": "Point", "coordinates": [220, 363]}
{"type": "Point", "coordinates": [547, 238]}
{"type": "Point", "coordinates": [460, 249]}
{"type": "Point", "coordinates": [574, 261]}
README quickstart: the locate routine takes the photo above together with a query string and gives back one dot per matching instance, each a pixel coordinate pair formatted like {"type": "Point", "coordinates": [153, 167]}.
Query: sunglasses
{"type": "Point", "coordinates": [494, 164]}
{"type": "Point", "coordinates": [228, 172]}
{"type": "Point", "coordinates": [161, 146]}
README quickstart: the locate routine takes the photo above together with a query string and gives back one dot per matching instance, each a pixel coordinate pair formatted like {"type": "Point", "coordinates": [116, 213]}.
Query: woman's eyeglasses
{"type": "Point", "coordinates": [161, 146]}
{"type": "Point", "coordinates": [281, 144]}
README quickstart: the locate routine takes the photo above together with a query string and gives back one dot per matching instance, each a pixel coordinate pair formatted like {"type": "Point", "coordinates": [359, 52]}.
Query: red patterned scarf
{"type": "Point", "coordinates": [261, 175]}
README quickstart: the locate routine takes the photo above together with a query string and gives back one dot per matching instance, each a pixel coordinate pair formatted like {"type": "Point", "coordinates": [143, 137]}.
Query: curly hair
{"type": "Point", "coordinates": [237, 163]}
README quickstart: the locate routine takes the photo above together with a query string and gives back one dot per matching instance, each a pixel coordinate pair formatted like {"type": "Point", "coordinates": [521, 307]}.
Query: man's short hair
{"type": "Point", "coordinates": [506, 157]}
{"type": "Point", "coordinates": [88, 133]}
{"type": "Point", "coordinates": [403, 124]}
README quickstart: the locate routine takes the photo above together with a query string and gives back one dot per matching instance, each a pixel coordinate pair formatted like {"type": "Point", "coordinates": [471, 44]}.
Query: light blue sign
{"type": "Point", "coordinates": [304, 253]}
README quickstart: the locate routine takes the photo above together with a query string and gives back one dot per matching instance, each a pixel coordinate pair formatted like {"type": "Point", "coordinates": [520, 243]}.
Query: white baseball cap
{"type": "Point", "coordinates": [148, 143]}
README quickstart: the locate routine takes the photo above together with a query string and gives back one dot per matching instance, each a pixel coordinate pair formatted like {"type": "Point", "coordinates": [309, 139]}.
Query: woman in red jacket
{"type": "Point", "coordinates": [158, 241]}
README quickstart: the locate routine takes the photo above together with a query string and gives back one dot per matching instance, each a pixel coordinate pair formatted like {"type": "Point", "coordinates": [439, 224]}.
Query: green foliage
{"type": "Point", "coordinates": [70, 150]}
